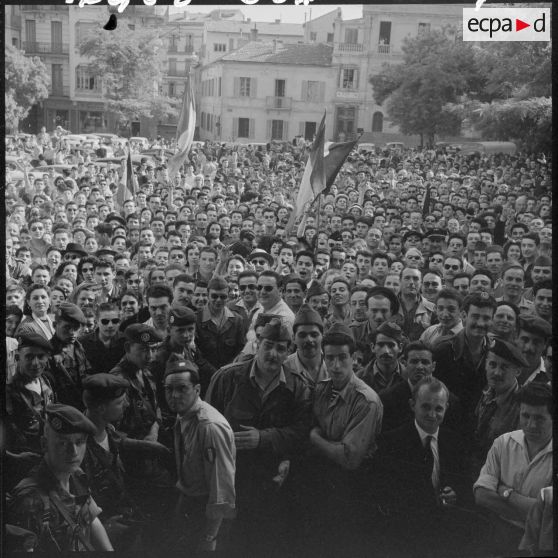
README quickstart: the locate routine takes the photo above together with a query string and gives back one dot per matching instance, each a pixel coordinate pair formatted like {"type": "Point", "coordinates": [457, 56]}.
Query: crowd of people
{"type": "Point", "coordinates": [188, 373]}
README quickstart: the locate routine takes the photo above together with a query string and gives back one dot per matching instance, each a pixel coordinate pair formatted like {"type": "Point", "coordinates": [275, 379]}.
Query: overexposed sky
{"type": "Point", "coordinates": [287, 12]}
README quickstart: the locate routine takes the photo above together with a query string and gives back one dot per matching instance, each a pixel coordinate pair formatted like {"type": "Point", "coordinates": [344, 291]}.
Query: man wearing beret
{"type": "Point", "coordinates": [205, 456]}
{"type": "Point", "coordinates": [68, 365]}
{"type": "Point", "coordinates": [308, 360]}
{"type": "Point", "coordinates": [28, 394]}
{"type": "Point", "coordinates": [268, 408]}
{"type": "Point", "coordinates": [318, 298]}
{"type": "Point", "coordinates": [498, 410]}
{"type": "Point", "coordinates": [220, 332]}
{"type": "Point", "coordinates": [532, 340]}
{"type": "Point", "coordinates": [53, 504]}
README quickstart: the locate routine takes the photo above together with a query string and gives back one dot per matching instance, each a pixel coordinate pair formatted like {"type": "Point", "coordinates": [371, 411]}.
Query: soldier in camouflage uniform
{"type": "Point", "coordinates": [52, 510]}
{"type": "Point", "coordinates": [68, 364]}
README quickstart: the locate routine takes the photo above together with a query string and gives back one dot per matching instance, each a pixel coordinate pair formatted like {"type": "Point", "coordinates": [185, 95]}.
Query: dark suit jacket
{"type": "Point", "coordinates": [397, 410]}
{"type": "Point", "coordinates": [403, 478]}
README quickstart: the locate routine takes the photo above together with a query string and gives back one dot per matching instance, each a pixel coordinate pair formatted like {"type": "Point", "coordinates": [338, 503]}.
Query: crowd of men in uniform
{"type": "Point", "coordinates": [187, 375]}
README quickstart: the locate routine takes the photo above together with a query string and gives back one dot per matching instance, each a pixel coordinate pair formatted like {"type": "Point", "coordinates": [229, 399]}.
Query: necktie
{"type": "Point", "coordinates": [178, 449]}
{"type": "Point", "coordinates": [433, 461]}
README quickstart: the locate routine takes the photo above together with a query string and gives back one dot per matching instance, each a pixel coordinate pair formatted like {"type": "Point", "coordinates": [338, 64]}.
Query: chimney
{"type": "Point", "coordinates": [254, 34]}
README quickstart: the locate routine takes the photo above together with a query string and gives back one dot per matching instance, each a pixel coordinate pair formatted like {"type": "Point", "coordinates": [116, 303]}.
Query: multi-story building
{"type": "Point", "coordinates": [12, 26]}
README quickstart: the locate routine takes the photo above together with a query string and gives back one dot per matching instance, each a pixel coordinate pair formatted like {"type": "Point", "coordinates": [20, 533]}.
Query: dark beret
{"type": "Point", "coordinates": [315, 289]}
{"type": "Point", "coordinates": [508, 352]}
{"type": "Point", "coordinates": [409, 234]}
{"type": "Point", "coordinates": [178, 363]}
{"type": "Point", "coordinates": [115, 217]}
{"type": "Point", "coordinates": [71, 312]}
{"type": "Point", "coordinates": [104, 228]}
{"type": "Point", "coordinates": [105, 386]}
{"type": "Point", "coordinates": [106, 252]}
{"type": "Point", "coordinates": [34, 340]}
{"type": "Point", "coordinates": [308, 316]}
{"type": "Point", "coordinates": [64, 419]}
{"type": "Point", "coordinates": [263, 319]}
{"type": "Point", "coordinates": [181, 316]}
{"type": "Point", "coordinates": [74, 248]}
{"type": "Point", "coordinates": [276, 330]}
{"type": "Point", "coordinates": [535, 325]}
{"type": "Point", "coordinates": [389, 294]}
{"type": "Point", "coordinates": [142, 333]}
{"type": "Point", "coordinates": [391, 330]}
{"type": "Point", "coordinates": [339, 328]}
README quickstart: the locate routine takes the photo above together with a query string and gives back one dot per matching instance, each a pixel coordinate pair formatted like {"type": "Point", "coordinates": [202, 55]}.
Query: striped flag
{"type": "Point", "coordinates": [127, 187]}
{"type": "Point", "coordinates": [313, 180]}
{"type": "Point", "coordinates": [184, 131]}
{"type": "Point", "coordinates": [334, 157]}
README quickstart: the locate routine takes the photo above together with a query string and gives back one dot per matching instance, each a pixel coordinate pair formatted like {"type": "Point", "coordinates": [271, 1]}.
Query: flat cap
{"type": "Point", "coordinates": [259, 253]}
{"type": "Point", "coordinates": [105, 386]}
{"type": "Point", "coordinates": [64, 419]}
{"type": "Point", "coordinates": [74, 248]}
{"type": "Point", "coordinates": [535, 325]}
{"type": "Point", "coordinates": [437, 233]}
{"type": "Point", "coordinates": [178, 363]}
{"type": "Point", "coordinates": [142, 333]}
{"type": "Point", "coordinates": [276, 330]}
{"type": "Point", "coordinates": [508, 352]}
{"type": "Point", "coordinates": [217, 284]}
{"type": "Point", "coordinates": [181, 316]}
{"type": "Point", "coordinates": [308, 316]}
{"type": "Point", "coordinates": [33, 340]}
{"type": "Point", "coordinates": [391, 330]}
{"type": "Point", "coordinates": [387, 293]}
{"type": "Point", "coordinates": [339, 328]}
{"type": "Point", "coordinates": [71, 312]}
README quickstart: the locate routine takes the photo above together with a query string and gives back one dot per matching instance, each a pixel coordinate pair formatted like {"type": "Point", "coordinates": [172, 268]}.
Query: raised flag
{"type": "Point", "coordinates": [426, 203]}
{"type": "Point", "coordinates": [127, 187]}
{"type": "Point", "coordinates": [184, 130]}
{"type": "Point", "coordinates": [334, 157]}
{"type": "Point", "coordinates": [313, 180]}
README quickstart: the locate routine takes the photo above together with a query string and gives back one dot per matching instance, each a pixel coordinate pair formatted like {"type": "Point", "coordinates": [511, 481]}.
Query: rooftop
{"type": "Point", "coordinates": [276, 52]}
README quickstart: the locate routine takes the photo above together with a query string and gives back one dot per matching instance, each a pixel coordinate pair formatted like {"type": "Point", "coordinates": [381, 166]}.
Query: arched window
{"type": "Point", "coordinates": [377, 122]}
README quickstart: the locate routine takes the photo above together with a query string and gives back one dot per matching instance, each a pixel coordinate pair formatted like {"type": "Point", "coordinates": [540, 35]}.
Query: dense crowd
{"type": "Point", "coordinates": [187, 374]}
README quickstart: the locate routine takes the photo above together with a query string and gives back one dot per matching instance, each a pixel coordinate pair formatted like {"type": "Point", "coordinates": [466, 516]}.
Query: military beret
{"type": "Point", "coordinates": [315, 289]}
{"type": "Point", "coordinates": [181, 316]}
{"type": "Point", "coordinates": [177, 363]}
{"type": "Point", "coordinates": [508, 352]}
{"type": "Point", "coordinates": [69, 311]}
{"type": "Point", "coordinates": [409, 234]}
{"type": "Point", "coordinates": [389, 294]}
{"type": "Point", "coordinates": [104, 228]}
{"type": "Point", "coordinates": [308, 316]}
{"type": "Point", "coordinates": [437, 233]}
{"type": "Point", "coordinates": [263, 319]}
{"type": "Point", "coordinates": [64, 419]}
{"type": "Point", "coordinates": [105, 386]}
{"type": "Point", "coordinates": [276, 330]}
{"type": "Point", "coordinates": [218, 284]}
{"type": "Point", "coordinates": [542, 261]}
{"type": "Point", "coordinates": [339, 328]}
{"type": "Point", "coordinates": [536, 325]}
{"type": "Point", "coordinates": [34, 340]}
{"type": "Point", "coordinates": [142, 333]}
{"type": "Point", "coordinates": [391, 330]}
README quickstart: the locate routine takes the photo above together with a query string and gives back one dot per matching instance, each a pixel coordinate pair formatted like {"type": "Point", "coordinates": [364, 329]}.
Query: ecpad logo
{"type": "Point", "coordinates": [506, 24]}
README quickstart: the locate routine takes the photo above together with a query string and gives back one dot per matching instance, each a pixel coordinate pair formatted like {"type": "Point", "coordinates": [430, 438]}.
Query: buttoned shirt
{"type": "Point", "coordinates": [508, 463]}
{"type": "Point", "coordinates": [374, 377]}
{"type": "Point", "coordinates": [431, 335]}
{"type": "Point", "coordinates": [206, 455]}
{"type": "Point", "coordinates": [294, 364]}
{"type": "Point", "coordinates": [353, 417]}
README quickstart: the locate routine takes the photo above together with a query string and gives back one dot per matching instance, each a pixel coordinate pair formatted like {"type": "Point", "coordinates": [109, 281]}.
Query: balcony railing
{"type": "Point", "coordinates": [32, 47]}
{"type": "Point", "coordinates": [279, 103]}
{"type": "Point", "coordinates": [349, 47]}
{"type": "Point", "coordinates": [59, 91]}
{"type": "Point", "coordinates": [384, 49]}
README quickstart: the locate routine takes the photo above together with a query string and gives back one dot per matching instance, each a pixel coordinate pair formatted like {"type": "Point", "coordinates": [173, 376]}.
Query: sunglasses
{"type": "Point", "coordinates": [71, 257]}
{"type": "Point", "coordinates": [251, 287]}
{"type": "Point", "coordinates": [430, 284]}
{"type": "Point", "coordinates": [37, 229]}
{"type": "Point", "coordinates": [259, 262]}
{"type": "Point", "coordinates": [454, 267]}
{"type": "Point", "coordinates": [265, 288]}
{"type": "Point", "coordinates": [436, 260]}
{"type": "Point", "coordinates": [114, 321]}
{"type": "Point", "coordinates": [351, 258]}
{"type": "Point", "coordinates": [217, 297]}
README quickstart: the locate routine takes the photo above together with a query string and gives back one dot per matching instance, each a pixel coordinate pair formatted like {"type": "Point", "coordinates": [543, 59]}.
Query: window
{"type": "Point", "coordinates": [423, 28]}
{"type": "Point", "coordinates": [276, 129]}
{"type": "Point", "coordinates": [219, 47]}
{"type": "Point", "coordinates": [385, 33]}
{"type": "Point", "coordinates": [173, 43]}
{"type": "Point", "coordinates": [377, 122]}
{"type": "Point", "coordinates": [83, 30]}
{"type": "Point", "coordinates": [172, 89]}
{"type": "Point", "coordinates": [351, 36]}
{"type": "Point", "coordinates": [313, 36]}
{"type": "Point", "coordinates": [15, 42]}
{"type": "Point", "coordinates": [231, 44]}
{"type": "Point", "coordinates": [279, 87]}
{"type": "Point", "coordinates": [243, 127]}
{"type": "Point", "coordinates": [245, 87]}
{"type": "Point", "coordinates": [85, 80]}
{"type": "Point", "coordinates": [56, 79]}
{"type": "Point", "coordinates": [219, 88]}
{"type": "Point", "coordinates": [349, 78]}
{"type": "Point", "coordinates": [172, 66]}
{"type": "Point", "coordinates": [30, 35]}
{"type": "Point", "coordinates": [56, 36]}
{"type": "Point", "coordinates": [329, 38]}
{"type": "Point", "coordinates": [189, 48]}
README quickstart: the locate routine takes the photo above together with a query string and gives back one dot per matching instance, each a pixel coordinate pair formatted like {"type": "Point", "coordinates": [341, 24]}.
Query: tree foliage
{"type": "Point", "coordinates": [129, 64]}
{"type": "Point", "coordinates": [26, 83]}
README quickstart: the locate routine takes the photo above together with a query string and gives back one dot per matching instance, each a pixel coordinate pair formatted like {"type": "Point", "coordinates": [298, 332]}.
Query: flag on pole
{"type": "Point", "coordinates": [127, 187]}
{"type": "Point", "coordinates": [184, 130]}
{"type": "Point", "coordinates": [334, 157]}
{"type": "Point", "coordinates": [426, 204]}
{"type": "Point", "coordinates": [313, 180]}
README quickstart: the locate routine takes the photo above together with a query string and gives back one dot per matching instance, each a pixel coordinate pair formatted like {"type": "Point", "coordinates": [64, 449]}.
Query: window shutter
{"type": "Point", "coordinates": [301, 128]}
{"type": "Point", "coordinates": [322, 92]}
{"type": "Point", "coordinates": [304, 94]}
{"type": "Point", "coordinates": [252, 131]}
{"type": "Point", "coordinates": [357, 76]}
{"type": "Point", "coordinates": [235, 128]}
{"type": "Point", "coordinates": [285, 130]}
{"type": "Point", "coordinates": [253, 87]}
{"type": "Point", "coordinates": [236, 92]}
{"type": "Point", "coordinates": [269, 125]}
{"type": "Point", "coordinates": [340, 81]}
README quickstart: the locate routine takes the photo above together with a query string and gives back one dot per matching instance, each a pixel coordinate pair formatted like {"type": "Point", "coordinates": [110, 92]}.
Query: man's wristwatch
{"type": "Point", "coordinates": [507, 493]}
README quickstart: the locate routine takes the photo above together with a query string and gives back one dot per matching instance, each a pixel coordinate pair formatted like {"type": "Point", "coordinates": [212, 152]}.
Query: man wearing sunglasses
{"type": "Point", "coordinates": [220, 332]}
{"type": "Point", "coordinates": [104, 347]}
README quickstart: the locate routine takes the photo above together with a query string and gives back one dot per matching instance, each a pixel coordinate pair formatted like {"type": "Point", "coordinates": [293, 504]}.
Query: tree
{"type": "Point", "coordinates": [129, 64]}
{"type": "Point", "coordinates": [26, 84]}
{"type": "Point", "coordinates": [436, 70]}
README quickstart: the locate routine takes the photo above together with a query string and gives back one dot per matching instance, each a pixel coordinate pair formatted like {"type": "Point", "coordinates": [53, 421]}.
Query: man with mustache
{"type": "Point", "coordinates": [532, 339]}
{"type": "Point", "coordinates": [513, 284]}
{"type": "Point", "coordinates": [68, 365]}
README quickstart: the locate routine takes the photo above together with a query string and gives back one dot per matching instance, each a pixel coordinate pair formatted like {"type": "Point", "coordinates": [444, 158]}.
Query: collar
{"type": "Point", "coordinates": [423, 435]}
{"type": "Point", "coordinates": [206, 314]}
{"type": "Point", "coordinates": [540, 368]}
{"type": "Point", "coordinates": [518, 436]}
{"type": "Point", "coordinates": [281, 378]}
{"type": "Point", "coordinates": [193, 411]}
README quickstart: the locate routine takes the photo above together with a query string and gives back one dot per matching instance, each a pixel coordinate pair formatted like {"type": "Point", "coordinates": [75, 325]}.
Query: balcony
{"type": "Point", "coordinates": [278, 103]}
{"type": "Point", "coordinates": [384, 49]}
{"type": "Point", "coordinates": [59, 91]}
{"type": "Point", "coordinates": [349, 47]}
{"type": "Point", "coordinates": [32, 47]}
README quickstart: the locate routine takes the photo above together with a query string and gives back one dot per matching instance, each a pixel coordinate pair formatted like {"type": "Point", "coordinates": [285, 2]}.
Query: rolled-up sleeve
{"type": "Point", "coordinates": [491, 471]}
